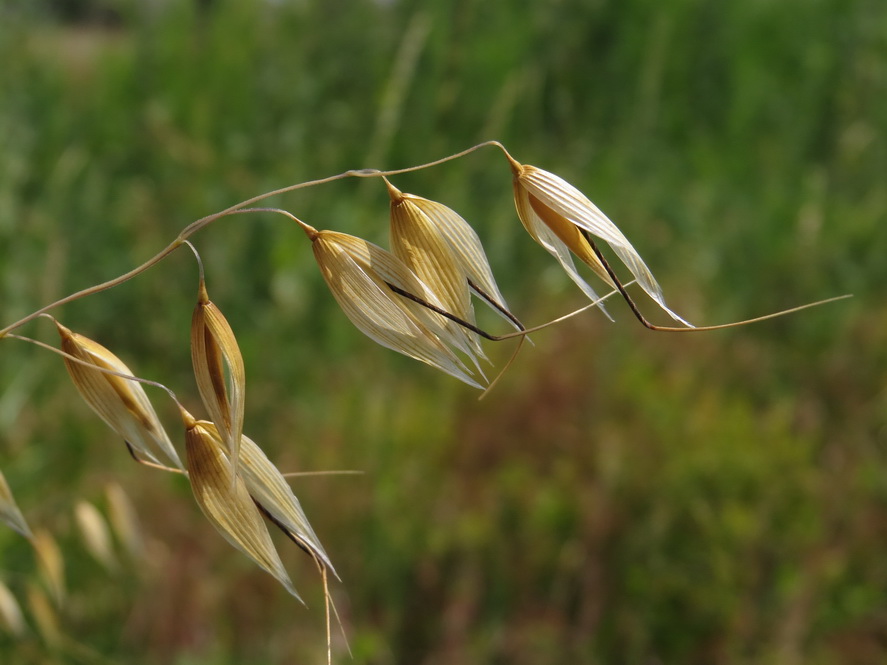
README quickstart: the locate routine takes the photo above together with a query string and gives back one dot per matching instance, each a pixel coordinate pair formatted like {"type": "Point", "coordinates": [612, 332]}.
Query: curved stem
{"type": "Point", "coordinates": [199, 260]}
{"type": "Point", "coordinates": [194, 227]}
{"type": "Point", "coordinates": [104, 286]}
{"type": "Point", "coordinates": [203, 222]}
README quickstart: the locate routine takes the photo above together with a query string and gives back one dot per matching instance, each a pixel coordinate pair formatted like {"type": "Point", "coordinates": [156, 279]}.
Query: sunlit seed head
{"type": "Point", "coordinates": [419, 243]}
{"type": "Point", "coordinates": [218, 370]}
{"type": "Point", "coordinates": [543, 197]}
{"type": "Point", "coordinates": [120, 402]}
{"type": "Point", "coordinates": [225, 501]}
{"type": "Point", "coordinates": [361, 276]}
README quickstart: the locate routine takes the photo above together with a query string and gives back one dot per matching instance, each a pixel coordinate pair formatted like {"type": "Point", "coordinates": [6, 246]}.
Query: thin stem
{"type": "Point", "coordinates": [104, 286]}
{"type": "Point", "coordinates": [152, 465]}
{"type": "Point", "coordinates": [201, 223]}
{"type": "Point", "coordinates": [326, 603]}
{"type": "Point", "coordinates": [507, 366]}
{"type": "Point", "coordinates": [199, 263]}
{"type": "Point", "coordinates": [192, 228]}
{"type": "Point", "coordinates": [309, 230]}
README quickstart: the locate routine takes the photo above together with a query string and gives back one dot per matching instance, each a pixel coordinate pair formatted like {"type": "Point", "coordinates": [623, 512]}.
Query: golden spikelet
{"type": "Point", "coordinates": [374, 289]}
{"type": "Point", "coordinates": [225, 501]}
{"type": "Point", "coordinates": [269, 489]}
{"type": "Point", "coordinates": [442, 249]}
{"type": "Point", "coordinates": [214, 351]}
{"type": "Point", "coordinates": [125, 522]}
{"type": "Point", "coordinates": [121, 403]}
{"type": "Point", "coordinates": [557, 216]}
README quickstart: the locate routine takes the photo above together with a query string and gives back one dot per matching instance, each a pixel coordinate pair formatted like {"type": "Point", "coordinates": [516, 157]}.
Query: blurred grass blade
{"type": "Point", "coordinates": [9, 510]}
{"type": "Point", "coordinates": [44, 616]}
{"type": "Point", "coordinates": [274, 495]}
{"type": "Point", "coordinates": [11, 617]}
{"type": "Point", "coordinates": [125, 522]}
{"type": "Point", "coordinates": [94, 531]}
{"type": "Point", "coordinates": [226, 502]}
{"type": "Point", "coordinates": [214, 350]}
{"type": "Point", "coordinates": [50, 563]}
{"type": "Point", "coordinates": [121, 403]}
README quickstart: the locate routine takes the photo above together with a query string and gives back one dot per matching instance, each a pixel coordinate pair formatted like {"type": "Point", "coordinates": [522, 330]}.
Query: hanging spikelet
{"type": "Point", "coordinates": [120, 402]}
{"type": "Point", "coordinates": [214, 351]}
{"type": "Point", "coordinates": [363, 277]}
{"type": "Point", "coordinates": [226, 501]}
{"type": "Point", "coordinates": [557, 215]}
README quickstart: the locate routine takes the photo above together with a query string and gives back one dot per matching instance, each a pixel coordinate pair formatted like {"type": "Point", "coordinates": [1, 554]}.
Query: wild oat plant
{"type": "Point", "coordinates": [415, 298]}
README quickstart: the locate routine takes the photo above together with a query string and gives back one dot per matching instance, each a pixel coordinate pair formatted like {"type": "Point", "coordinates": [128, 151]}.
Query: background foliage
{"type": "Point", "coordinates": [623, 496]}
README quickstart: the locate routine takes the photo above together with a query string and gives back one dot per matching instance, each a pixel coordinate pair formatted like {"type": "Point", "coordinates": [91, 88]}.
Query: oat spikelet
{"type": "Point", "coordinates": [213, 351]}
{"type": "Point", "coordinates": [9, 510]}
{"type": "Point", "coordinates": [445, 253]}
{"type": "Point", "coordinates": [556, 214]}
{"type": "Point", "coordinates": [362, 276]}
{"type": "Point", "coordinates": [415, 241]}
{"type": "Point", "coordinates": [225, 500]}
{"type": "Point", "coordinates": [121, 403]}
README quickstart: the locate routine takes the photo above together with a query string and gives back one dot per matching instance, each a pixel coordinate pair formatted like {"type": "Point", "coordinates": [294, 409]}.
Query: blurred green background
{"type": "Point", "coordinates": [623, 496]}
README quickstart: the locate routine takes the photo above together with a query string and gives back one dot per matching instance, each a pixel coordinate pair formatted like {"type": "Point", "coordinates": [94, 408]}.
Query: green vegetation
{"type": "Point", "coordinates": [622, 496]}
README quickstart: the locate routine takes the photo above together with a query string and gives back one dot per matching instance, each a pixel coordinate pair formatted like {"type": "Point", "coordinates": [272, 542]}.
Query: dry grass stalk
{"type": "Point", "coordinates": [120, 402]}
{"type": "Point", "coordinates": [214, 351]}
{"type": "Point", "coordinates": [415, 300]}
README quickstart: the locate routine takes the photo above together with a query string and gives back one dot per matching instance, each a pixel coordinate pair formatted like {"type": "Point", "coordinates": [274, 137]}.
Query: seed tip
{"type": "Point", "coordinates": [393, 192]}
